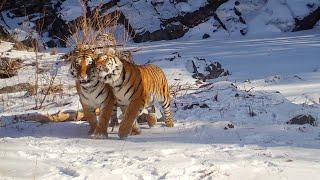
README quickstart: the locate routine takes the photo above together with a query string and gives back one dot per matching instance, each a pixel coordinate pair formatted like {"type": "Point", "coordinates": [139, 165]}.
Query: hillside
{"type": "Point", "coordinates": [161, 20]}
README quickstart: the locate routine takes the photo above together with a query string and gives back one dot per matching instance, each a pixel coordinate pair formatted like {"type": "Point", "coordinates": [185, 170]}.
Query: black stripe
{"type": "Point", "coordinates": [128, 89]}
{"type": "Point", "coordinates": [166, 105]}
{"type": "Point", "coordinates": [123, 74]}
{"type": "Point", "coordinates": [123, 79]}
{"type": "Point", "coordinates": [127, 80]}
{"type": "Point", "coordinates": [105, 98]}
{"type": "Point", "coordinates": [96, 84]}
{"type": "Point", "coordinates": [84, 96]}
{"type": "Point", "coordinates": [100, 92]}
{"type": "Point", "coordinates": [135, 89]}
{"type": "Point", "coordinates": [84, 88]}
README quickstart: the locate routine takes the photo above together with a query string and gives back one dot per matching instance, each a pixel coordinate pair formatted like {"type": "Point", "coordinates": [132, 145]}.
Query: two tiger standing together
{"type": "Point", "coordinates": [105, 80]}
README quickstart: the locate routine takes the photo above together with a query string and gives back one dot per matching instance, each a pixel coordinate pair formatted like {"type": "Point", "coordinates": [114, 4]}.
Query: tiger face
{"type": "Point", "coordinates": [82, 66]}
{"type": "Point", "coordinates": [109, 67]}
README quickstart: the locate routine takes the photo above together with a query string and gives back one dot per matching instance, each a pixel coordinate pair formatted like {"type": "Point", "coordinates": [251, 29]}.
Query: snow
{"type": "Point", "coordinates": [71, 9]}
{"type": "Point", "coordinates": [274, 77]}
{"type": "Point", "coordinates": [260, 16]}
{"type": "Point", "coordinates": [300, 8]}
{"type": "Point", "coordinates": [5, 46]}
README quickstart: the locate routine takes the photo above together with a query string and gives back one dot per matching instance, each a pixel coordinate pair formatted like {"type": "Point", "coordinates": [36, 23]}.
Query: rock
{"type": "Point", "coordinates": [205, 36]}
{"type": "Point", "coordinates": [308, 22]}
{"type": "Point", "coordinates": [198, 76]}
{"type": "Point", "coordinates": [203, 69]}
{"type": "Point", "coordinates": [170, 31]}
{"type": "Point", "coordinates": [303, 119]}
{"type": "Point", "coordinates": [215, 70]}
{"type": "Point", "coordinates": [51, 44]}
{"type": "Point", "coordinates": [47, 18]}
{"type": "Point", "coordinates": [229, 126]}
{"type": "Point", "coordinates": [244, 31]}
{"type": "Point", "coordinates": [191, 106]}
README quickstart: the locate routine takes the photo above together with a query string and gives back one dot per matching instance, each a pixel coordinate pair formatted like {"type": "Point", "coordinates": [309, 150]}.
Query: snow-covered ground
{"type": "Point", "coordinates": [229, 128]}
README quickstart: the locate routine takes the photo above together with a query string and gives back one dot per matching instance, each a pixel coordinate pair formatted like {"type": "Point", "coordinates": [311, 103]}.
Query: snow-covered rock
{"type": "Point", "coordinates": [163, 20]}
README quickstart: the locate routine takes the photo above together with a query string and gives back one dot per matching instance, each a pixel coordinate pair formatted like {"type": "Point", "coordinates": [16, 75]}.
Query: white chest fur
{"type": "Point", "coordinates": [93, 96]}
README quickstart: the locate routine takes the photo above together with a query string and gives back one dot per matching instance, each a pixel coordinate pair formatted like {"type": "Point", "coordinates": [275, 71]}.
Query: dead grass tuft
{"type": "Point", "coordinates": [9, 67]}
{"type": "Point", "coordinates": [93, 30]}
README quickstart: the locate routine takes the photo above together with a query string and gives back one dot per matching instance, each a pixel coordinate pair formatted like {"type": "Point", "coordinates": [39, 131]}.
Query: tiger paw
{"type": "Point", "coordinates": [135, 131]}
{"type": "Point", "coordinates": [99, 136]}
{"type": "Point", "coordinates": [151, 119]}
{"type": "Point", "coordinates": [169, 123]}
{"type": "Point", "coordinates": [124, 131]}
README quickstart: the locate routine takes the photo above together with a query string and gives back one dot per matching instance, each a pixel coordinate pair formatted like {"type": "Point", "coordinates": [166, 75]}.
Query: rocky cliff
{"type": "Point", "coordinates": [145, 20]}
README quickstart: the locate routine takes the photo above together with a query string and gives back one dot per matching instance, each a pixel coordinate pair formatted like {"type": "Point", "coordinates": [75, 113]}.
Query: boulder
{"type": "Point", "coordinates": [303, 119]}
{"type": "Point", "coordinates": [203, 69]}
{"type": "Point", "coordinates": [205, 36]}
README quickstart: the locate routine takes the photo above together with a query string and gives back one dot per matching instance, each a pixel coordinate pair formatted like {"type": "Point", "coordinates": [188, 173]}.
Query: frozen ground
{"type": "Point", "coordinates": [214, 137]}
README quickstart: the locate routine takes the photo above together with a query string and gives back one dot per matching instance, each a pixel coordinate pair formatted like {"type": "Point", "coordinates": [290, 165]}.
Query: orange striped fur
{"type": "Point", "coordinates": [93, 94]}
{"type": "Point", "coordinates": [135, 87]}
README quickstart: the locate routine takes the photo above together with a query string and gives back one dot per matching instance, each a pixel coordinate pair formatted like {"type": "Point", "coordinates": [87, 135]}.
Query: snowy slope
{"type": "Point", "coordinates": [240, 17]}
{"type": "Point", "coordinates": [215, 135]}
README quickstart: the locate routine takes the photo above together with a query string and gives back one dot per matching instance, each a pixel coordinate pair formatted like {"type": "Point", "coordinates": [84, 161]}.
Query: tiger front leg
{"type": "Point", "coordinates": [127, 124]}
{"type": "Point", "coordinates": [101, 130]}
{"type": "Point", "coordinates": [91, 117]}
{"type": "Point", "coordinates": [88, 112]}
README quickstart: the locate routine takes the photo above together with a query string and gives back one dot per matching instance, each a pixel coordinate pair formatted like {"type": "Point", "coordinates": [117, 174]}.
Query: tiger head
{"type": "Point", "coordinates": [109, 67]}
{"type": "Point", "coordinates": [82, 65]}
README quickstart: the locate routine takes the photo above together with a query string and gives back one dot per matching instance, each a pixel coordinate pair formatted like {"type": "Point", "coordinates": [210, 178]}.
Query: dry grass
{"type": "Point", "coordinates": [9, 67]}
{"type": "Point", "coordinates": [93, 30]}
{"type": "Point", "coordinates": [16, 88]}
{"type": "Point", "coordinates": [2, 4]}
{"type": "Point", "coordinates": [44, 90]}
{"type": "Point", "coordinates": [43, 118]}
{"type": "Point", "coordinates": [177, 89]}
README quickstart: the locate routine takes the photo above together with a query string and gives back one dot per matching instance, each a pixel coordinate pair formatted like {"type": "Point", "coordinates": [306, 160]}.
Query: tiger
{"type": "Point", "coordinates": [135, 87]}
{"type": "Point", "coordinates": [93, 93]}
